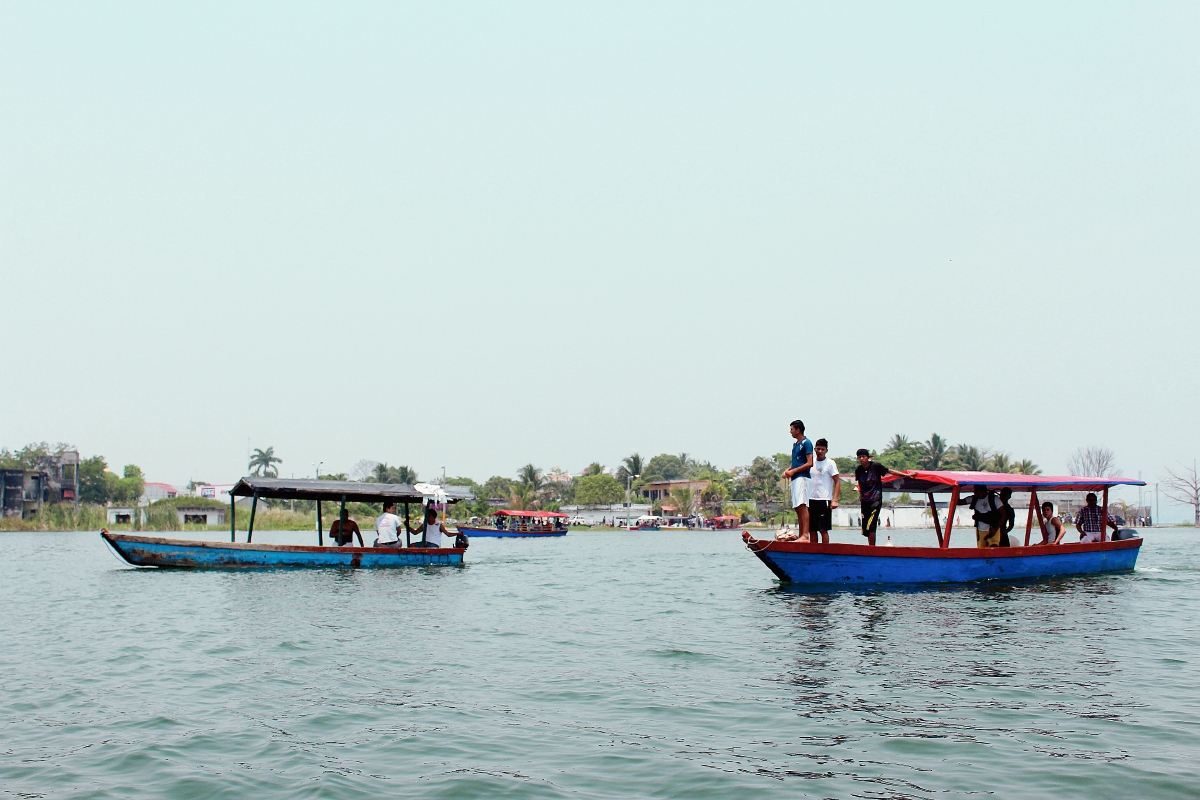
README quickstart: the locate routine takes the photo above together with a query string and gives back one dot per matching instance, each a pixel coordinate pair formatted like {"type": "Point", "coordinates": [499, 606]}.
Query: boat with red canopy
{"type": "Point", "coordinates": [517, 524]}
{"type": "Point", "coordinates": [851, 565]}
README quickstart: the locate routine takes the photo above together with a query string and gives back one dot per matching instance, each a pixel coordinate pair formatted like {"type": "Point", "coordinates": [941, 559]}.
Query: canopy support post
{"type": "Point", "coordinates": [937, 525]}
{"type": "Point", "coordinates": [1029, 519]}
{"type": "Point", "coordinates": [950, 517]}
{"type": "Point", "coordinates": [1037, 509]}
{"type": "Point", "coordinates": [232, 519]}
{"type": "Point", "coordinates": [253, 510]}
{"type": "Point", "coordinates": [320, 527]}
{"type": "Point", "coordinates": [341, 516]}
{"type": "Point", "coordinates": [407, 532]}
{"type": "Point", "coordinates": [1104, 518]}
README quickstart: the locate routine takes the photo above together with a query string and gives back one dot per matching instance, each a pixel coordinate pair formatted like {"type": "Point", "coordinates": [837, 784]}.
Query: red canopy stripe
{"type": "Point", "coordinates": [505, 512]}
{"type": "Point", "coordinates": [944, 480]}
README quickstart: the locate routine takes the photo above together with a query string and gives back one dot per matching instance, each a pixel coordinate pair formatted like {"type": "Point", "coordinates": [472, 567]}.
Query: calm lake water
{"type": "Point", "coordinates": [599, 665]}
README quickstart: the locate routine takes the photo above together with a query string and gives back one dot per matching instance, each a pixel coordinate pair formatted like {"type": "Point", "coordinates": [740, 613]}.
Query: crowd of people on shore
{"type": "Point", "coordinates": [816, 485]}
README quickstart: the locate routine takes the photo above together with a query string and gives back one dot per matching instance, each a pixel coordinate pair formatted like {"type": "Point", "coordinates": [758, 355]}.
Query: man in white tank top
{"type": "Point", "coordinates": [431, 532]}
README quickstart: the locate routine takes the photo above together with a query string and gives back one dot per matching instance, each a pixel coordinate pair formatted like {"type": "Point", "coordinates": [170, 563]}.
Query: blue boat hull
{"type": "Point", "coordinates": [493, 533]}
{"type": "Point", "coordinates": [145, 551]}
{"type": "Point", "coordinates": [846, 565]}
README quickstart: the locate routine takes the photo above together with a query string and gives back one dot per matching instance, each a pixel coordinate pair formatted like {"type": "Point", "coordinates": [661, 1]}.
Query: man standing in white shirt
{"type": "Point", "coordinates": [386, 526]}
{"type": "Point", "coordinates": [824, 486]}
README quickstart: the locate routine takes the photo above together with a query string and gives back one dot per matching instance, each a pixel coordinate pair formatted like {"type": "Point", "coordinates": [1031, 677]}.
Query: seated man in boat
{"type": "Point", "coordinates": [387, 526]}
{"type": "Point", "coordinates": [1053, 530]}
{"type": "Point", "coordinates": [431, 531]}
{"type": "Point", "coordinates": [344, 529]}
{"type": "Point", "coordinates": [1088, 521]}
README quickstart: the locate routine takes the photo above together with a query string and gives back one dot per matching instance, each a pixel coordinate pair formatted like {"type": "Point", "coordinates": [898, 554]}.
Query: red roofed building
{"type": "Point", "coordinates": [158, 491]}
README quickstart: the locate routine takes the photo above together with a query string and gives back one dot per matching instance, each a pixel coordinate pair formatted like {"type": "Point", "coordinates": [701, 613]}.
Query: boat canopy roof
{"type": "Point", "coordinates": [727, 516]}
{"type": "Point", "coordinates": [504, 512]}
{"type": "Point", "coordinates": [924, 481]}
{"type": "Point", "coordinates": [309, 489]}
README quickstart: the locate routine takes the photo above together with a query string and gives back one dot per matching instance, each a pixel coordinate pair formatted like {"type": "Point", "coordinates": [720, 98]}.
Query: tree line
{"type": "Point", "coordinates": [739, 490]}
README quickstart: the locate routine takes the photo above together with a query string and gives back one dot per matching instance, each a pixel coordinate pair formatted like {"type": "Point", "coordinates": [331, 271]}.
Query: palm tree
{"type": "Point", "coordinates": [1000, 463]}
{"type": "Point", "coordinates": [594, 468]}
{"type": "Point", "coordinates": [933, 452]}
{"type": "Point", "coordinates": [520, 497]}
{"type": "Point", "coordinates": [1026, 467]}
{"type": "Point", "coordinates": [714, 496]}
{"type": "Point", "coordinates": [684, 500]}
{"type": "Point", "coordinates": [632, 465]}
{"type": "Point", "coordinates": [262, 463]}
{"type": "Point", "coordinates": [898, 443]}
{"type": "Point", "coordinates": [969, 457]}
{"type": "Point", "coordinates": [531, 476]}
{"type": "Point", "coordinates": [406, 475]}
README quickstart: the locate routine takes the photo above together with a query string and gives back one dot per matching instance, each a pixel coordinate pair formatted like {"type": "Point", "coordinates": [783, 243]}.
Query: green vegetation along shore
{"type": "Point", "coordinates": [755, 492]}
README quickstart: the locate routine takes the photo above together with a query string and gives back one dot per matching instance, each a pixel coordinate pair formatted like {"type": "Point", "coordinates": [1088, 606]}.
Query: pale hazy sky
{"type": "Point", "coordinates": [479, 235]}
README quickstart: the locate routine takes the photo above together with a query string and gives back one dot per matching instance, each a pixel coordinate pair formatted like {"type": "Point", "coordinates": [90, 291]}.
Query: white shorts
{"type": "Point", "coordinates": [799, 492]}
{"type": "Point", "coordinates": [1090, 536]}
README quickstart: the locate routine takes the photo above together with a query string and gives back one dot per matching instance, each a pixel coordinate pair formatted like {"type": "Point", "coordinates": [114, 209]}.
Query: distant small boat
{"type": "Point", "coordinates": [854, 565]}
{"type": "Point", "coordinates": [150, 551]}
{"type": "Point", "coordinates": [516, 524]}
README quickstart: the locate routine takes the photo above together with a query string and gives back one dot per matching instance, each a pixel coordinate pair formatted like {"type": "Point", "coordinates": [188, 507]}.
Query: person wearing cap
{"type": "Point", "coordinates": [870, 475]}
{"type": "Point", "coordinates": [1088, 521]}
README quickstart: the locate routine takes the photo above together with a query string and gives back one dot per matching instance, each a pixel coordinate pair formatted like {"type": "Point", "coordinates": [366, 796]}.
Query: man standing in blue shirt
{"type": "Point", "coordinates": [798, 473]}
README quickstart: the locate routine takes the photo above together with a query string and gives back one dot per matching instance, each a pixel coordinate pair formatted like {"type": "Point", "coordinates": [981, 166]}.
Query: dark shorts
{"type": "Point", "coordinates": [870, 518]}
{"type": "Point", "coordinates": [820, 515]}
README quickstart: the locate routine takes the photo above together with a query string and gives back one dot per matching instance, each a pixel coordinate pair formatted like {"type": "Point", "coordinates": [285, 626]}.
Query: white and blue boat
{"type": "Point", "coordinates": [147, 551]}
{"type": "Point", "coordinates": [855, 565]}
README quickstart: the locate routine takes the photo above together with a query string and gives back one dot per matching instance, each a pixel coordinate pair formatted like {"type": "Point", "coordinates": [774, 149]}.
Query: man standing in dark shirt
{"type": "Point", "coordinates": [870, 475]}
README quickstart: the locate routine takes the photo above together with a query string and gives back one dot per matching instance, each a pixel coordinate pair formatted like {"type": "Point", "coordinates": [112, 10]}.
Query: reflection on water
{"type": "Point", "coordinates": [592, 666]}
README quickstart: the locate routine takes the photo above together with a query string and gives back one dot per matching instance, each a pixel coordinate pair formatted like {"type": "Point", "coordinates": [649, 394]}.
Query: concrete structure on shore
{"type": "Point", "coordinates": [200, 515]}
{"type": "Point", "coordinates": [55, 479]}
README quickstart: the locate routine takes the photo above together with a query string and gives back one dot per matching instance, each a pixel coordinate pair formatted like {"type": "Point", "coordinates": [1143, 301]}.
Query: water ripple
{"type": "Point", "coordinates": [593, 666]}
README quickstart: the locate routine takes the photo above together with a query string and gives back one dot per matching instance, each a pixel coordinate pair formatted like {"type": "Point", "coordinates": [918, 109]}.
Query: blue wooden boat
{"type": "Point", "coordinates": [520, 524]}
{"type": "Point", "coordinates": [147, 551]}
{"type": "Point", "coordinates": [857, 565]}
{"type": "Point", "coordinates": [854, 565]}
